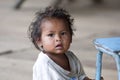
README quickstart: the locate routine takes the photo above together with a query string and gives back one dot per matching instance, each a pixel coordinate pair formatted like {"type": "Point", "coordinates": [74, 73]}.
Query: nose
{"type": "Point", "coordinates": [58, 38]}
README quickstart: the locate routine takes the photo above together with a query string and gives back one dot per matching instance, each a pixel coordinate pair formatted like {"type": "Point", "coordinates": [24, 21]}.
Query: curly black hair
{"type": "Point", "coordinates": [59, 13]}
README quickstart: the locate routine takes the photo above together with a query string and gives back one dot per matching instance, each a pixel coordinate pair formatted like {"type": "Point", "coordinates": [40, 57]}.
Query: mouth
{"type": "Point", "coordinates": [59, 46]}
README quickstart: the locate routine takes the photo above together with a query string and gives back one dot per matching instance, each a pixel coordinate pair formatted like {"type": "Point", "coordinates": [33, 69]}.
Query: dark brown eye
{"type": "Point", "coordinates": [63, 33]}
{"type": "Point", "coordinates": [50, 35]}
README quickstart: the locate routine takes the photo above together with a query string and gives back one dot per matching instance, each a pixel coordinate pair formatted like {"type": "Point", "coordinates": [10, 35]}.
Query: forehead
{"type": "Point", "coordinates": [54, 24]}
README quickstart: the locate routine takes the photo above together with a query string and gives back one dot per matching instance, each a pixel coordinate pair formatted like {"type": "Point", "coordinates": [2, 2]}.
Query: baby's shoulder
{"type": "Point", "coordinates": [70, 53]}
{"type": "Point", "coordinates": [42, 60]}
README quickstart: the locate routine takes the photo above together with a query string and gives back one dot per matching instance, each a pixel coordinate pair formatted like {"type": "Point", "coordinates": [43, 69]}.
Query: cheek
{"type": "Point", "coordinates": [47, 42]}
{"type": "Point", "coordinates": [67, 40]}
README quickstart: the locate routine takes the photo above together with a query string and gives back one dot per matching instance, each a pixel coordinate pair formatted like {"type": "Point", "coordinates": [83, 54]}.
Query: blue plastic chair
{"type": "Point", "coordinates": [109, 46]}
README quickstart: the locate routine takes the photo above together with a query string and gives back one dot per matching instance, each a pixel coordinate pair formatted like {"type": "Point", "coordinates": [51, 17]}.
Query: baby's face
{"type": "Point", "coordinates": [55, 36]}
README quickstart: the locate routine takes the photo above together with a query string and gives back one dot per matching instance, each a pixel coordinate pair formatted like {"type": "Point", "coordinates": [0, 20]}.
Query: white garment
{"type": "Point", "coordinates": [46, 69]}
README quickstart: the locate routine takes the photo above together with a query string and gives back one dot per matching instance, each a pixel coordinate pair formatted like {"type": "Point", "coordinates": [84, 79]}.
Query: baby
{"type": "Point", "coordinates": [51, 33]}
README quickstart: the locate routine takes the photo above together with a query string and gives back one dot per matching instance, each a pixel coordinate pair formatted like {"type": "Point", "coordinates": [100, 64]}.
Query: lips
{"type": "Point", "coordinates": [59, 46]}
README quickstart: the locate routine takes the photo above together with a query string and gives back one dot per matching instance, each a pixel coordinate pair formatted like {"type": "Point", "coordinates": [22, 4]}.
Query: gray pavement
{"type": "Point", "coordinates": [17, 54]}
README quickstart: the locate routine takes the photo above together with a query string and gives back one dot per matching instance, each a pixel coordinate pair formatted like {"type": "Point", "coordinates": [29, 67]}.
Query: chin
{"type": "Point", "coordinates": [60, 52]}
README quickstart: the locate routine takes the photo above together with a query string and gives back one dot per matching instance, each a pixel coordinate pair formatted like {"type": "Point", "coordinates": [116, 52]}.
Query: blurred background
{"type": "Point", "coordinates": [93, 19]}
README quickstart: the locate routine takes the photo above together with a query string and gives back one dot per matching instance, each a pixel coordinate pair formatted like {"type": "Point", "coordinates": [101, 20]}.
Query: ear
{"type": "Point", "coordinates": [39, 42]}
